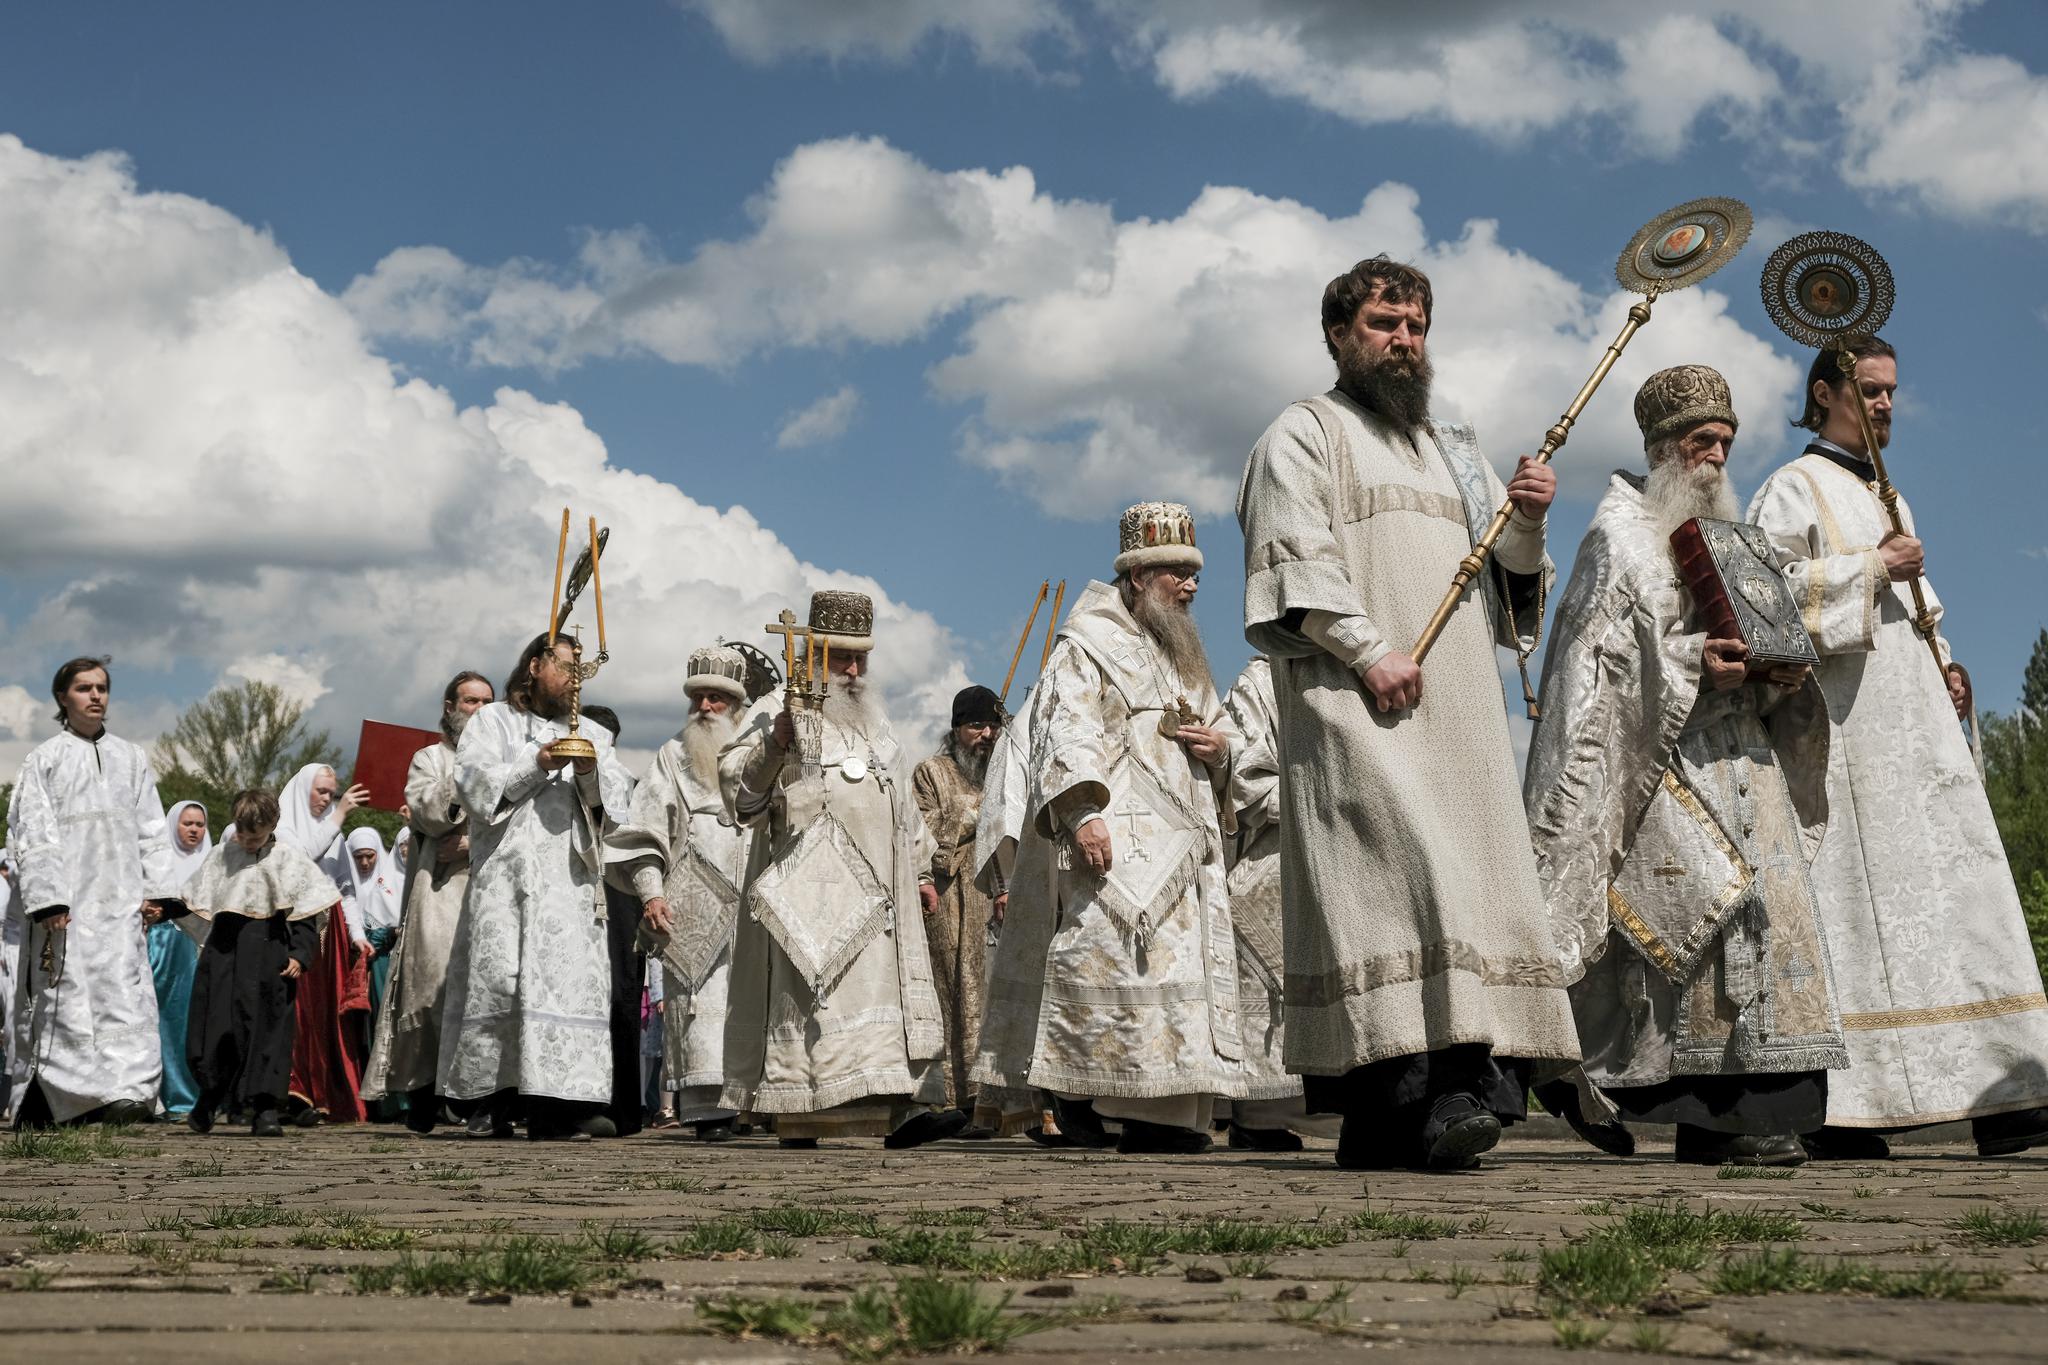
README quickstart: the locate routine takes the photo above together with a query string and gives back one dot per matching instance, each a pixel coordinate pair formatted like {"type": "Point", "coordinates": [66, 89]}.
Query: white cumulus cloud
{"type": "Point", "coordinates": [283, 497]}
{"type": "Point", "coordinates": [855, 241]}
{"type": "Point", "coordinates": [825, 420]}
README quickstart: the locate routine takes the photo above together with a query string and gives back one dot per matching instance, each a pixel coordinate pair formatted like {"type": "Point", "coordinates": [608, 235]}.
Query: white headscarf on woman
{"type": "Point", "coordinates": [319, 838]}
{"type": "Point", "coordinates": [378, 894]}
{"type": "Point", "coordinates": [187, 859]}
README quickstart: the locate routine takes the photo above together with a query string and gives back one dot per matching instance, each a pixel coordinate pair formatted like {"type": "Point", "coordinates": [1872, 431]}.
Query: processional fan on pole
{"type": "Point", "coordinates": [1830, 291]}
{"type": "Point", "coordinates": [1677, 248]}
{"type": "Point", "coordinates": [573, 745]}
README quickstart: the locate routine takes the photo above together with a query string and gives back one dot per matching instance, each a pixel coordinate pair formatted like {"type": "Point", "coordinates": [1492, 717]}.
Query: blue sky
{"type": "Point", "coordinates": [1025, 169]}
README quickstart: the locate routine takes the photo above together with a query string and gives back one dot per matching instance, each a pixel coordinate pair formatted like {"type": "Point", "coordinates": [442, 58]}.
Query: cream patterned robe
{"type": "Point", "coordinates": [529, 977]}
{"type": "Point", "coordinates": [1672, 826]}
{"type": "Point", "coordinates": [1940, 995]}
{"type": "Point", "coordinates": [1254, 863]}
{"type": "Point", "coordinates": [1412, 914]}
{"type": "Point", "coordinates": [408, 1042]}
{"type": "Point", "coordinates": [676, 818]}
{"type": "Point", "coordinates": [1140, 995]}
{"type": "Point", "coordinates": [87, 831]}
{"type": "Point", "coordinates": [1016, 967]}
{"type": "Point", "coordinates": [869, 1043]}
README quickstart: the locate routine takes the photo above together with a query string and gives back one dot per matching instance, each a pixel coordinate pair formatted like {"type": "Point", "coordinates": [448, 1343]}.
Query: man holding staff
{"type": "Point", "coordinates": [1420, 974]}
{"type": "Point", "coordinates": [1941, 999]}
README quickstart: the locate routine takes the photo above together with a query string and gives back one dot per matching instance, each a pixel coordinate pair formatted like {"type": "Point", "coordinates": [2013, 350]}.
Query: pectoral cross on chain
{"type": "Point", "coordinates": [1137, 824]}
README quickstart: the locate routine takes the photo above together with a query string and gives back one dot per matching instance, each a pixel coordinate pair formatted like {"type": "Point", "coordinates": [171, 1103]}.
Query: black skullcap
{"type": "Point", "coordinates": [977, 706]}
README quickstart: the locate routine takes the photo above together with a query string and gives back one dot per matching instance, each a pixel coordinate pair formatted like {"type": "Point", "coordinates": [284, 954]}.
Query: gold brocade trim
{"type": "Point", "coordinates": [1373, 499]}
{"type": "Point", "coordinates": [1645, 937]}
{"type": "Point", "coordinates": [1407, 967]}
{"type": "Point", "coordinates": [1682, 794]}
{"type": "Point", "coordinates": [1945, 1014]}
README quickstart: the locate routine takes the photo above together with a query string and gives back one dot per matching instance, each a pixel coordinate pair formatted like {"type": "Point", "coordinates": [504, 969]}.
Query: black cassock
{"type": "Point", "coordinates": [238, 1035]}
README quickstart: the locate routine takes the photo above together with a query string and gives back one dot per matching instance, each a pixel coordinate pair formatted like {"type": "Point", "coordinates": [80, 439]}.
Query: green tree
{"type": "Point", "coordinates": [246, 735]}
{"type": "Point", "coordinates": [2016, 781]}
{"type": "Point", "coordinates": [6, 803]}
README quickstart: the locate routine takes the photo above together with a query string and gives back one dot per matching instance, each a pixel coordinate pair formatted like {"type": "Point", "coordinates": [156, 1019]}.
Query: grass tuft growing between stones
{"type": "Point", "coordinates": [1757, 1173]}
{"type": "Point", "coordinates": [41, 1211]}
{"type": "Point", "coordinates": [1617, 1265]}
{"type": "Point", "coordinates": [798, 1220]}
{"type": "Point", "coordinates": [1405, 1227]}
{"type": "Point", "coordinates": [252, 1215]}
{"type": "Point", "coordinates": [1786, 1270]}
{"type": "Point", "coordinates": [1995, 1227]}
{"type": "Point", "coordinates": [73, 1146]}
{"type": "Point", "coordinates": [924, 1315]}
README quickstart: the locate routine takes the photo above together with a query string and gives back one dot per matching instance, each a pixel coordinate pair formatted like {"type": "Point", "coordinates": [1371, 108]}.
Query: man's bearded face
{"type": "Point", "coordinates": [1381, 361]}
{"type": "Point", "coordinates": [975, 737]}
{"type": "Point", "coordinates": [470, 698]}
{"type": "Point", "coordinates": [552, 681]}
{"type": "Point", "coordinates": [713, 721]}
{"type": "Point", "coordinates": [1689, 478]}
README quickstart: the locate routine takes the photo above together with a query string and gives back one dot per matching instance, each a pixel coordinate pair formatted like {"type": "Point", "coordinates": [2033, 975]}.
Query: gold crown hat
{"type": "Point", "coordinates": [1156, 533]}
{"type": "Point", "coordinates": [845, 619]}
{"type": "Point", "coordinates": [715, 668]}
{"type": "Point", "coordinates": [1674, 401]}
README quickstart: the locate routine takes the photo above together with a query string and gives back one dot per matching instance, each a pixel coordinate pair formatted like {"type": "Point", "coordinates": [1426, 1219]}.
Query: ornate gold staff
{"type": "Point", "coordinates": [573, 745]}
{"type": "Point", "coordinates": [1829, 290]}
{"type": "Point", "coordinates": [1677, 248]}
{"type": "Point", "coordinates": [1024, 639]}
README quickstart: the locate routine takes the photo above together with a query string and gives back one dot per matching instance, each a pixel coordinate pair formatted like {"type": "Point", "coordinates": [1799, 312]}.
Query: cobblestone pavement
{"type": "Point", "coordinates": [361, 1243]}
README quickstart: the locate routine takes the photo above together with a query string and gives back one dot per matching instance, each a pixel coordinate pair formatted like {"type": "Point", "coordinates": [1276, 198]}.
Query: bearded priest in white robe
{"type": "Point", "coordinates": [407, 1048]}
{"type": "Point", "coordinates": [1676, 794]}
{"type": "Point", "coordinates": [87, 831]}
{"type": "Point", "coordinates": [1422, 983]}
{"type": "Point", "coordinates": [833, 1023]}
{"type": "Point", "coordinates": [528, 1013]}
{"type": "Point", "coordinates": [1130, 766]}
{"type": "Point", "coordinates": [684, 857]}
{"type": "Point", "coordinates": [1941, 997]}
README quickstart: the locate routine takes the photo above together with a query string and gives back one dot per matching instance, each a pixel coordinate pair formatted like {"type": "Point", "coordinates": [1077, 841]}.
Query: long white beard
{"type": "Point", "coordinates": [703, 739]}
{"type": "Point", "coordinates": [851, 705]}
{"type": "Point", "coordinates": [1180, 639]}
{"type": "Point", "coordinates": [1674, 495]}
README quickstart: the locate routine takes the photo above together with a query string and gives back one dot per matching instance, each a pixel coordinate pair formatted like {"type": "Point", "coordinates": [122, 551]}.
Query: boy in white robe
{"type": "Point", "coordinates": [87, 830]}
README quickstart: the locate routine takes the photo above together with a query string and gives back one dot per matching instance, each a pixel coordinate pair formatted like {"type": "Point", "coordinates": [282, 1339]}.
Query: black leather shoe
{"type": "Point", "coordinates": [200, 1120]}
{"type": "Point", "coordinates": [1162, 1139]}
{"type": "Point", "coordinates": [2005, 1134]}
{"type": "Point", "coordinates": [596, 1126]}
{"type": "Point", "coordinates": [1457, 1132]}
{"type": "Point", "coordinates": [715, 1130]}
{"type": "Point", "coordinates": [1080, 1124]}
{"type": "Point", "coordinates": [1704, 1147]}
{"type": "Point", "coordinates": [1846, 1144]}
{"type": "Point", "coordinates": [1244, 1139]}
{"type": "Point", "coordinates": [1364, 1147]}
{"type": "Point", "coordinates": [127, 1111]}
{"type": "Point", "coordinates": [266, 1124]}
{"type": "Point", "coordinates": [420, 1106]}
{"type": "Point", "coordinates": [798, 1144]}
{"type": "Point", "coordinates": [929, 1126]}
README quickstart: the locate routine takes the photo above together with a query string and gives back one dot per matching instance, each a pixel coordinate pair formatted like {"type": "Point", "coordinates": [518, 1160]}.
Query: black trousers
{"type": "Point", "coordinates": [629, 978]}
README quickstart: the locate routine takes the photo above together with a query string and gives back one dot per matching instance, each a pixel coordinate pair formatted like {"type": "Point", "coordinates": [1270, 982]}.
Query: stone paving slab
{"type": "Point", "coordinates": [155, 1244]}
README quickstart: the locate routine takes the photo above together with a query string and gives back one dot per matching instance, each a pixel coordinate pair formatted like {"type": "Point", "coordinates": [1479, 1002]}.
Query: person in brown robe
{"type": "Point", "coordinates": [948, 790]}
